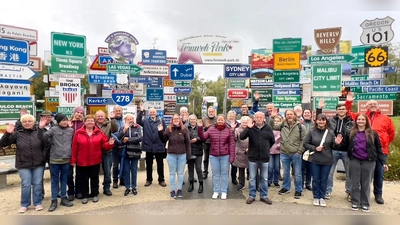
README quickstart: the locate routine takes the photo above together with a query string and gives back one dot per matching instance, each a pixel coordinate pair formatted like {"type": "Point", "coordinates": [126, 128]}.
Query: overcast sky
{"type": "Point", "coordinates": [256, 22]}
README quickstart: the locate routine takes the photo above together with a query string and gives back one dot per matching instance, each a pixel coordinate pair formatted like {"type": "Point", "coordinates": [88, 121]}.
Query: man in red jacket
{"type": "Point", "coordinates": [383, 125]}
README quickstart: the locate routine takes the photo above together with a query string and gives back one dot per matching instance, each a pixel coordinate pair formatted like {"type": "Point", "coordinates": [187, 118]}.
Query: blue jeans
{"type": "Point", "coordinates": [295, 159]}
{"type": "Point", "coordinates": [274, 168]}
{"type": "Point", "coordinates": [378, 177]}
{"type": "Point", "coordinates": [116, 158]}
{"type": "Point", "coordinates": [320, 175]}
{"type": "Point", "coordinates": [220, 173]}
{"type": "Point", "coordinates": [253, 168]}
{"type": "Point", "coordinates": [176, 165]}
{"type": "Point", "coordinates": [130, 172]}
{"type": "Point", "coordinates": [59, 175]}
{"type": "Point", "coordinates": [106, 164]}
{"type": "Point", "coordinates": [336, 156]}
{"type": "Point", "coordinates": [31, 178]}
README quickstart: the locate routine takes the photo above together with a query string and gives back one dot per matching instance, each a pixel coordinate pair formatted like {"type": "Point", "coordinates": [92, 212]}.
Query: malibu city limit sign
{"type": "Point", "coordinates": [68, 45]}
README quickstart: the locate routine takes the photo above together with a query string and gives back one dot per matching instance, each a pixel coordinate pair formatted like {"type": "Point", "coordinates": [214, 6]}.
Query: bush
{"type": "Point", "coordinates": [394, 159]}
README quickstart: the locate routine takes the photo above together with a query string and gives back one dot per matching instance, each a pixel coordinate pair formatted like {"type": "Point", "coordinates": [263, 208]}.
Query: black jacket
{"type": "Point", "coordinates": [260, 142]}
{"type": "Point", "coordinates": [197, 147]}
{"type": "Point", "coordinates": [313, 140]}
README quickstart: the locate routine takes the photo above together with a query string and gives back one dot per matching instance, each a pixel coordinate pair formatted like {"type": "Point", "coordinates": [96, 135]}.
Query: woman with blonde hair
{"type": "Point", "coordinates": [29, 160]}
{"type": "Point", "coordinates": [197, 153]}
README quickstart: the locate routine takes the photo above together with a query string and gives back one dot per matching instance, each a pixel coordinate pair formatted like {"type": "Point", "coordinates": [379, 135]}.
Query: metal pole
{"type": "Point", "coordinates": [225, 96]}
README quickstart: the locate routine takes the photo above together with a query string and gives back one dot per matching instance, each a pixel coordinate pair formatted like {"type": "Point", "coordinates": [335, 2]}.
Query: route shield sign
{"type": "Point", "coordinates": [376, 57]}
{"type": "Point", "coordinates": [122, 97]}
{"type": "Point", "coordinates": [377, 31]}
{"type": "Point", "coordinates": [68, 45]}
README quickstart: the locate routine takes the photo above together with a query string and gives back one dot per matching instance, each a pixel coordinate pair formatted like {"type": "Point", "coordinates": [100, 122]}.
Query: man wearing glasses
{"type": "Point", "coordinates": [244, 112]}
{"type": "Point", "coordinates": [340, 124]}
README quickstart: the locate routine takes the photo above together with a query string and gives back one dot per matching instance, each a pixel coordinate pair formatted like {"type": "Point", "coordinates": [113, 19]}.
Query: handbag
{"type": "Point", "coordinates": [133, 155]}
{"type": "Point", "coordinates": [308, 153]}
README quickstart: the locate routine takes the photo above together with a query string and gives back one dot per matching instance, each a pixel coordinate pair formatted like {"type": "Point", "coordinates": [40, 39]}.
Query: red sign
{"type": "Point", "coordinates": [262, 58]}
{"type": "Point", "coordinates": [102, 51]}
{"type": "Point", "coordinates": [238, 94]}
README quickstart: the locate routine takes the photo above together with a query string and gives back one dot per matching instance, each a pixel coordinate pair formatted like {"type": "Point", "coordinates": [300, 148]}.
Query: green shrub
{"type": "Point", "coordinates": [394, 158]}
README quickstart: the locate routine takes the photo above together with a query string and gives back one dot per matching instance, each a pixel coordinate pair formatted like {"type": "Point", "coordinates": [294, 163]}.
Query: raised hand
{"type": "Point", "coordinates": [208, 124]}
{"type": "Point", "coordinates": [274, 112]}
{"type": "Point", "coordinates": [250, 124]}
{"type": "Point", "coordinates": [321, 103]}
{"type": "Point", "coordinates": [112, 115]}
{"type": "Point", "coordinates": [141, 106]}
{"type": "Point", "coordinates": [10, 128]}
{"type": "Point", "coordinates": [42, 122]}
{"type": "Point", "coordinates": [200, 123]}
{"type": "Point", "coordinates": [350, 97]}
{"type": "Point", "coordinates": [233, 125]}
{"type": "Point", "coordinates": [70, 123]}
{"type": "Point", "coordinates": [160, 127]}
{"type": "Point", "coordinates": [339, 139]}
{"type": "Point", "coordinates": [257, 96]}
{"type": "Point", "coordinates": [111, 141]}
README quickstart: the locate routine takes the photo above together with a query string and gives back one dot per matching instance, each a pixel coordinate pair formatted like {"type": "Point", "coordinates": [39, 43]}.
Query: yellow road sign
{"type": "Point", "coordinates": [376, 57]}
{"type": "Point", "coordinates": [287, 61]}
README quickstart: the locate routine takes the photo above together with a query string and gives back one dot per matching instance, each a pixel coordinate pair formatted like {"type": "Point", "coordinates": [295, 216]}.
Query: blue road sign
{"type": "Point", "coordinates": [15, 99]}
{"type": "Point", "coordinates": [261, 83]}
{"type": "Point", "coordinates": [390, 69]}
{"type": "Point", "coordinates": [155, 94]}
{"type": "Point", "coordinates": [141, 80]}
{"type": "Point", "coordinates": [156, 82]}
{"type": "Point", "coordinates": [237, 71]}
{"type": "Point", "coordinates": [102, 79]}
{"type": "Point", "coordinates": [285, 92]}
{"type": "Point", "coordinates": [384, 89]}
{"type": "Point", "coordinates": [286, 86]}
{"type": "Point", "coordinates": [122, 97]}
{"type": "Point", "coordinates": [182, 72]}
{"type": "Point", "coordinates": [105, 59]}
{"type": "Point", "coordinates": [14, 51]}
{"type": "Point", "coordinates": [154, 57]}
{"type": "Point", "coordinates": [99, 101]}
{"type": "Point", "coordinates": [182, 89]}
{"type": "Point", "coordinates": [360, 83]}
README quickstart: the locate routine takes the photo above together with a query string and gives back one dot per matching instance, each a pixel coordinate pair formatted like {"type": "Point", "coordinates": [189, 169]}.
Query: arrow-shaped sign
{"type": "Point", "coordinates": [16, 72]}
{"type": "Point", "coordinates": [175, 71]}
{"type": "Point", "coordinates": [332, 58]}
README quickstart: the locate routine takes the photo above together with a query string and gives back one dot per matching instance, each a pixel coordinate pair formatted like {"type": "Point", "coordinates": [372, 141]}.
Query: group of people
{"type": "Point", "coordinates": [250, 142]}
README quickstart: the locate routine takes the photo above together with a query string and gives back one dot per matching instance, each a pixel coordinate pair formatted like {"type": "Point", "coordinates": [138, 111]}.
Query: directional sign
{"type": "Point", "coordinates": [182, 99]}
{"type": "Point", "coordinates": [122, 97]}
{"type": "Point", "coordinates": [286, 92]}
{"type": "Point", "coordinates": [377, 31]}
{"type": "Point", "coordinates": [14, 51]}
{"type": "Point", "coordinates": [384, 89]}
{"type": "Point", "coordinates": [359, 83]}
{"type": "Point", "coordinates": [102, 79]}
{"type": "Point", "coordinates": [286, 105]}
{"type": "Point", "coordinates": [328, 59]}
{"type": "Point", "coordinates": [169, 83]}
{"type": "Point", "coordinates": [327, 78]}
{"type": "Point", "coordinates": [237, 94]}
{"type": "Point", "coordinates": [286, 86]}
{"type": "Point", "coordinates": [68, 65]}
{"type": "Point", "coordinates": [376, 57]}
{"type": "Point", "coordinates": [124, 68]}
{"type": "Point", "coordinates": [390, 69]}
{"type": "Point", "coordinates": [154, 94]}
{"type": "Point", "coordinates": [182, 89]}
{"type": "Point", "coordinates": [182, 83]}
{"type": "Point", "coordinates": [358, 89]}
{"type": "Point", "coordinates": [330, 102]}
{"type": "Point", "coordinates": [68, 45]}
{"type": "Point", "coordinates": [182, 72]}
{"type": "Point", "coordinates": [238, 71]}
{"type": "Point", "coordinates": [16, 72]}
{"type": "Point", "coordinates": [106, 59]}
{"type": "Point", "coordinates": [18, 33]}
{"type": "Point", "coordinates": [286, 98]}
{"type": "Point", "coordinates": [141, 80]}
{"type": "Point", "coordinates": [286, 45]}
{"type": "Point", "coordinates": [376, 96]}
{"type": "Point", "coordinates": [99, 101]}
{"type": "Point", "coordinates": [154, 70]}
{"type": "Point", "coordinates": [154, 57]}
{"type": "Point", "coordinates": [288, 76]}
{"type": "Point", "coordinates": [359, 53]}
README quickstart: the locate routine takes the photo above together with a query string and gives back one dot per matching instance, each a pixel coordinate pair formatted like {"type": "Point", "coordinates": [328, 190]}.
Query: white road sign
{"type": "Point", "coordinates": [377, 31]}
{"type": "Point", "coordinates": [35, 63]}
{"type": "Point", "coordinates": [69, 92]}
{"type": "Point", "coordinates": [18, 33]}
{"type": "Point", "coordinates": [33, 49]}
{"type": "Point", "coordinates": [16, 72]}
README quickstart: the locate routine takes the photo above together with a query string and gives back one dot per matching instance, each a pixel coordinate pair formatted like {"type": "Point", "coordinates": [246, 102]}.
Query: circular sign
{"type": "Point", "coordinates": [122, 46]}
{"type": "Point", "coordinates": [375, 57]}
{"type": "Point", "coordinates": [122, 97]}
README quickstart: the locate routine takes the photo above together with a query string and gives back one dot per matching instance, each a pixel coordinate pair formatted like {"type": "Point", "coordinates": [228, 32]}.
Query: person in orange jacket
{"type": "Point", "coordinates": [383, 125]}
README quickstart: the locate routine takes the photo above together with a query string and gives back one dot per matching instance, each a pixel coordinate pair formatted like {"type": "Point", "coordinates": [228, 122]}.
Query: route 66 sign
{"type": "Point", "coordinates": [377, 31]}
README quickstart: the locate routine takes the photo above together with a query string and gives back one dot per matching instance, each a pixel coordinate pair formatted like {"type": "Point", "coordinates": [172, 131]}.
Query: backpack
{"type": "Point", "coordinates": [300, 130]}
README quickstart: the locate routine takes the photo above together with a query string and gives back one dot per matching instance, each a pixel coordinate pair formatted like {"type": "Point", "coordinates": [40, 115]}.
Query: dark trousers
{"type": "Point", "coordinates": [378, 177]}
{"type": "Point", "coordinates": [89, 174]}
{"type": "Point", "coordinates": [320, 174]}
{"type": "Point", "coordinates": [192, 163]}
{"type": "Point", "coordinates": [306, 172]}
{"type": "Point", "coordinates": [206, 156]}
{"type": "Point", "coordinates": [242, 178]}
{"type": "Point", "coordinates": [116, 165]}
{"type": "Point", "coordinates": [361, 173]}
{"type": "Point", "coordinates": [234, 170]}
{"type": "Point", "coordinates": [160, 165]}
{"type": "Point", "coordinates": [74, 188]}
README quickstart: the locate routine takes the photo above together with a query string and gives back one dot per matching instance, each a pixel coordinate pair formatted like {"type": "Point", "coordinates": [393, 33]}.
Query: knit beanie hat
{"type": "Point", "coordinates": [78, 109]}
{"type": "Point", "coordinates": [60, 117]}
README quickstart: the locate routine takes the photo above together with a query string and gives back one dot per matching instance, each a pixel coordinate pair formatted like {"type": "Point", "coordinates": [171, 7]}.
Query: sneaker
{"type": "Point", "coordinates": [173, 195]}
{"type": "Point", "coordinates": [241, 187]}
{"type": "Point", "coordinates": [23, 210]}
{"type": "Point", "coordinates": [283, 191]}
{"type": "Point", "coordinates": [297, 195]}
{"type": "Point", "coordinates": [354, 207]}
{"type": "Point", "coordinates": [134, 191]}
{"type": "Point", "coordinates": [348, 197]}
{"type": "Point", "coordinates": [322, 202]}
{"type": "Point", "coordinates": [250, 200]}
{"type": "Point", "coordinates": [316, 202]}
{"type": "Point", "coordinates": [276, 185]}
{"type": "Point", "coordinates": [85, 201]}
{"type": "Point", "coordinates": [235, 182]}
{"type": "Point", "coordinates": [223, 196]}
{"type": "Point", "coordinates": [179, 194]}
{"type": "Point", "coordinates": [365, 208]}
{"type": "Point", "coordinates": [39, 208]}
{"type": "Point", "coordinates": [148, 183]}
{"type": "Point", "coordinates": [215, 195]}
{"type": "Point", "coordinates": [328, 196]}
{"type": "Point", "coordinates": [266, 201]}
{"type": "Point", "coordinates": [95, 199]}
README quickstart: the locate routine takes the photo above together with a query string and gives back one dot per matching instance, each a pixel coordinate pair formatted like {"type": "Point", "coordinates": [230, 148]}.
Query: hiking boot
{"type": "Point", "coordinates": [65, 202]}
{"type": "Point", "coordinates": [250, 200]}
{"type": "Point", "coordinates": [162, 184]}
{"type": "Point", "coordinates": [266, 201]}
{"type": "Point", "coordinates": [190, 189]}
{"type": "Point", "coordinates": [148, 183]}
{"type": "Point", "coordinates": [283, 191]}
{"type": "Point", "coordinates": [115, 184]}
{"type": "Point", "coordinates": [107, 192]}
{"type": "Point", "coordinates": [297, 195]}
{"type": "Point", "coordinates": [379, 199]}
{"type": "Point", "coordinates": [53, 205]}
{"type": "Point", "coordinates": [200, 187]}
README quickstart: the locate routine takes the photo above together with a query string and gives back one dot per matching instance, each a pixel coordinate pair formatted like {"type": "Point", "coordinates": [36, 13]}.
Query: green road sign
{"type": "Point", "coordinates": [68, 111]}
{"type": "Point", "coordinates": [358, 77]}
{"type": "Point", "coordinates": [376, 96]}
{"type": "Point", "coordinates": [62, 64]}
{"type": "Point", "coordinates": [286, 45]}
{"type": "Point", "coordinates": [286, 76]}
{"type": "Point", "coordinates": [182, 99]}
{"type": "Point", "coordinates": [359, 53]}
{"type": "Point", "coordinates": [68, 45]}
{"type": "Point", "coordinates": [11, 110]}
{"type": "Point", "coordinates": [330, 102]}
{"type": "Point", "coordinates": [284, 105]}
{"type": "Point", "coordinates": [286, 99]}
{"type": "Point", "coordinates": [327, 78]}
{"type": "Point", "coordinates": [52, 99]}
{"type": "Point", "coordinates": [132, 69]}
{"type": "Point", "coordinates": [330, 59]}
{"type": "Point", "coordinates": [237, 83]}
{"type": "Point", "coordinates": [265, 95]}
{"type": "Point", "coordinates": [182, 83]}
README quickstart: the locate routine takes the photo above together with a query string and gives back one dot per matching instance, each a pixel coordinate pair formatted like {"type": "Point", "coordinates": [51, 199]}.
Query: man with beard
{"type": "Point", "coordinates": [208, 121]}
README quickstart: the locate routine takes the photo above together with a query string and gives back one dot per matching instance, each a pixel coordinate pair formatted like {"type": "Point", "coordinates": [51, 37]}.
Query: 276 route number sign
{"type": "Point", "coordinates": [376, 57]}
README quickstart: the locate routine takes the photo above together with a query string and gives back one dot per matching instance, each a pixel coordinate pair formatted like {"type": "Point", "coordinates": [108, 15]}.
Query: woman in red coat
{"type": "Point", "coordinates": [87, 148]}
